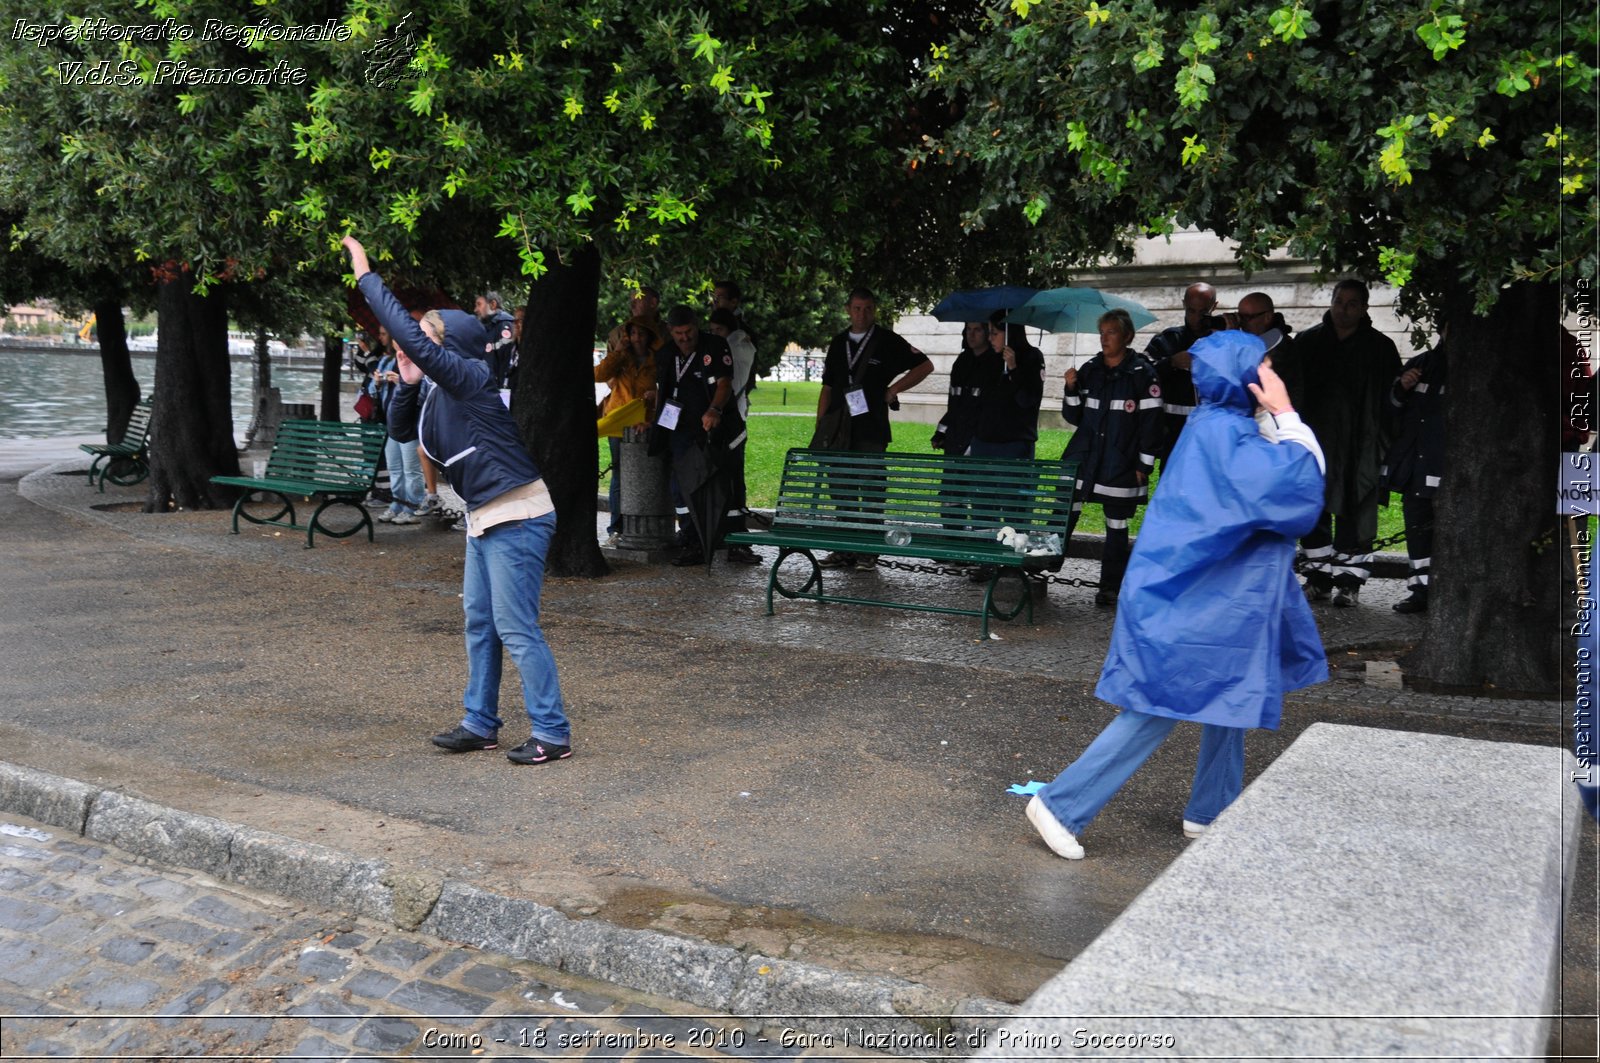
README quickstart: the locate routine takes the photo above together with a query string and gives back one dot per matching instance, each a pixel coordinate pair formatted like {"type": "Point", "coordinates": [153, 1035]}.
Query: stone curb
{"type": "Point", "coordinates": [899, 1016]}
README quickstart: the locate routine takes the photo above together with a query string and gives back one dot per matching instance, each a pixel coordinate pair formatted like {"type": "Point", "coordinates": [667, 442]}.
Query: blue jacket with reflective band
{"type": "Point", "coordinates": [1211, 623]}
{"type": "Point", "coordinates": [464, 427]}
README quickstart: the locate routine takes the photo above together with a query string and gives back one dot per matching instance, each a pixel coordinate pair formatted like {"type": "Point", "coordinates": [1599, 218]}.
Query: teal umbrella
{"type": "Point", "coordinates": [1075, 310]}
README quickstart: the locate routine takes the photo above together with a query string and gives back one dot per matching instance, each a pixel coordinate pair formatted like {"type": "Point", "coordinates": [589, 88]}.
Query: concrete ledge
{"type": "Point", "coordinates": [1373, 893]}
{"type": "Point", "coordinates": [159, 833]}
{"type": "Point", "coordinates": [47, 798]}
{"type": "Point", "coordinates": [901, 1017]}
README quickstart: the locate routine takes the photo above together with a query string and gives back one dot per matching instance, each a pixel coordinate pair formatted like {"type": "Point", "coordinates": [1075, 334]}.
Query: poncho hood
{"type": "Point", "coordinates": [1224, 363]}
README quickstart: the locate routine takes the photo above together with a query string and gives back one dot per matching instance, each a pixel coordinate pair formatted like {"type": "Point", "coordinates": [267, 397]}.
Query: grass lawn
{"type": "Point", "coordinates": [773, 434]}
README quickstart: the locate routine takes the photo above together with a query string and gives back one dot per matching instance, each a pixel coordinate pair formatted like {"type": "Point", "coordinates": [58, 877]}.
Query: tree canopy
{"type": "Point", "coordinates": [1447, 146]}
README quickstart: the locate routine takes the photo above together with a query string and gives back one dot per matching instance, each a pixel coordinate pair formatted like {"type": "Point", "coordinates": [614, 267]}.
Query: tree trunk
{"type": "Point", "coordinates": [192, 419]}
{"type": "Point", "coordinates": [554, 405]}
{"type": "Point", "coordinates": [116, 366]}
{"type": "Point", "coordinates": [332, 366]}
{"type": "Point", "coordinates": [1494, 599]}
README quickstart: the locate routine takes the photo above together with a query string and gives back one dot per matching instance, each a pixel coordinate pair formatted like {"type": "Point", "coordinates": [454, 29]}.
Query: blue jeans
{"type": "Point", "coordinates": [500, 593]}
{"type": "Point", "coordinates": [1078, 794]}
{"type": "Point", "coordinates": [405, 473]}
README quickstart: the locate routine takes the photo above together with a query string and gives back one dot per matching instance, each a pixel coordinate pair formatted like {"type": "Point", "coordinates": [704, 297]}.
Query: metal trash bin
{"type": "Point", "coordinates": [646, 498]}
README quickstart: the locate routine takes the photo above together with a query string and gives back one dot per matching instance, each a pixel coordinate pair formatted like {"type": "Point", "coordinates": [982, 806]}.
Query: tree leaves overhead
{"type": "Point", "coordinates": [1441, 145]}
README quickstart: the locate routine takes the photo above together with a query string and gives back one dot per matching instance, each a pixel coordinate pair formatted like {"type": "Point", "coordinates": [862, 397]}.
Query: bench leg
{"type": "Point", "coordinates": [276, 518]}
{"type": "Point", "coordinates": [316, 522]}
{"type": "Point", "coordinates": [812, 580]}
{"type": "Point", "coordinates": [991, 608]}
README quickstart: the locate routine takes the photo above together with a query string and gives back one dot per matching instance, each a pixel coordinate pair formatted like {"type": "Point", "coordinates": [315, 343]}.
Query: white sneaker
{"type": "Point", "coordinates": [430, 506]}
{"type": "Point", "coordinates": [405, 518]}
{"type": "Point", "coordinates": [388, 515]}
{"type": "Point", "coordinates": [1192, 829]}
{"type": "Point", "coordinates": [1060, 840]}
{"type": "Point", "coordinates": [612, 541]}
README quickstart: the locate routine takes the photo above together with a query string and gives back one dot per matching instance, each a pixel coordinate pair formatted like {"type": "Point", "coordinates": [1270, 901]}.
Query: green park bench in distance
{"type": "Point", "coordinates": [917, 505]}
{"type": "Point", "coordinates": [125, 463]}
{"type": "Point", "coordinates": [331, 462]}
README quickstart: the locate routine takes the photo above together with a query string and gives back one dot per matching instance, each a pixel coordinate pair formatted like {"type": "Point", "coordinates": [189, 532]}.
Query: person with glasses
{"type": "Point", "coordinates": [1258, 317]}
{"type": "Point", "coordinates": [1169, 351]}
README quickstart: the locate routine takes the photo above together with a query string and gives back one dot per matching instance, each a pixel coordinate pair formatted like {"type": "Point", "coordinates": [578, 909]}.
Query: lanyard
{"type": "Point", "coordinates": [854, 351]}
{"type": "Point", "coordinates": [683, 363]}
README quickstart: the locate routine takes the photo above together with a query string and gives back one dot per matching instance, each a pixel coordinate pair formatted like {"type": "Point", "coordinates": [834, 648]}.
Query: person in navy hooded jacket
{"type": "Point", "coordinates": [1213, 626]}
{"type": "Point", "coordinates": [466, 430]}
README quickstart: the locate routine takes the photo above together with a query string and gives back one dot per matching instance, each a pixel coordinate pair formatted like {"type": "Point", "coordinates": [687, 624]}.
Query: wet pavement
{"type": "Point", "coordinates": [827, 784]}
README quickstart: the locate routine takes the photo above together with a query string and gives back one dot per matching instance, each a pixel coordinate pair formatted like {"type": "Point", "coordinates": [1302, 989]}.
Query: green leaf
{"type": "Point", "coordinates": [1034, 209]}
{"type": "Point", "coordinates": [1193, 150]}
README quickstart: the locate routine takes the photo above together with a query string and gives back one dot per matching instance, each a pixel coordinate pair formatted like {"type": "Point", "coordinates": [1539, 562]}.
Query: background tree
{"type": "Point", "coordinates": [1447, 147]}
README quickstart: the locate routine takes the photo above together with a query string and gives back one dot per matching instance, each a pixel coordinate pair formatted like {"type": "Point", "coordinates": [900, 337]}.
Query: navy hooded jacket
{"type": "Point", "coordinates": [464, 427]}
{"type": "Point", "coordinates": [1211, 624]}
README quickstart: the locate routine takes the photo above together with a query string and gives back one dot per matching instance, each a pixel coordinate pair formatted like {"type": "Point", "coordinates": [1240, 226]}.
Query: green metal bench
{"type": "Point", "coordinates": [950, 507]}
{"type": "Point", "coordinates": [332, 462]}
{"type": "Point", "coordinates": [125, 463]}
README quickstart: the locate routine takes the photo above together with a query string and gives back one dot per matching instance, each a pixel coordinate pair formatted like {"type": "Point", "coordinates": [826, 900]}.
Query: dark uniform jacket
{"type": "Point", "coordinates": [1117, 417]}
{"type": "Point", "coordinates": [1177, 385]}
{"type": "Point", "coordinates": [961, 414]}
{"type": "Point", "coordinates": [1008, 405]}
{"type": "Point", "coordinates": [1347, 391]}
{"type": "Point", "coordinates": [1416, 457]}
{"type": "Point", "coordinates": [502, 344]}
{"type": "Point", "coordinates": [691, 382]}
{"type": "Point", "coordinates": [888, 356]}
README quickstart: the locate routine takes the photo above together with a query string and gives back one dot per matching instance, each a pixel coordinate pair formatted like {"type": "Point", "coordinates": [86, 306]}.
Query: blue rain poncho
{"type": "Point", "coordinates": [1212, 625]}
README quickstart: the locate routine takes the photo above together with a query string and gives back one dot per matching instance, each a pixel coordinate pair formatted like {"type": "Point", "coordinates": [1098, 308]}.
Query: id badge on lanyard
{"type": "Point", "coordinates": [856, 398]}
{"type": "Point", "coordinates": [668, 418]}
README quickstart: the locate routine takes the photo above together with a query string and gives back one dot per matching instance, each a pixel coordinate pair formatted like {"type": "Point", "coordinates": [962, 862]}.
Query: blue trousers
{"type": "Point", "coordinates": [1078, 794]}
{"type": "Point", "coordinates": [500, 594]}
{"type": "Point", "coordinates": [405, 473]}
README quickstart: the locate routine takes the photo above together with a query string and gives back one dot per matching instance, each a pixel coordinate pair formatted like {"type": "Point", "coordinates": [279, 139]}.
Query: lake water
{"type": "Point", "coordinates": [48, 395]}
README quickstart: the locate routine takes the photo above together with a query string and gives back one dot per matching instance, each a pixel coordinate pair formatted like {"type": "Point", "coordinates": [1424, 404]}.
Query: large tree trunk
{"type": "Point", "coordinates": [332, 367]}
{"type": "Point", "coordinates": [116, 366]}
{"type": "Point", "coordinates": [554, 404]}
{"type": "Point", "coordinates": [192, 419]}
{"type": "Point", "coordinates": [1494, 599]}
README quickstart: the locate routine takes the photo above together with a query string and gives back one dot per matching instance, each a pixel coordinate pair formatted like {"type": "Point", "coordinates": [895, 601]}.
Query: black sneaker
{"type": "Point", "coordinates": [740, 554]}
{"type": "Point", "coordinates": [1417, 603]}
{"type": "Point", "coordinates": [837, 559]}
{"type": "Point", "coordinates": [533, 751]}
{"type": "Point", "coordinates": [690, 555]}
{"type": "Point", "coordinates": [462, 740]}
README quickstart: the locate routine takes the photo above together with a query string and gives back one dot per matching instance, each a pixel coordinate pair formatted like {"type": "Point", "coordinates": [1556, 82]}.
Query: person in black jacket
{"type": "Point", "coordinates": [1114, 407]}
{"type": "Point", "coordinates": [1169, 353]}
{"type": "Point", "coordinates": [954, 433]}
{"type": "Point", "coordinates": [694, 389]}
{"type": "Point", "coordinates": [1349, 368]}
{"type": "Point", "coordinates": [502, 330]}
{"type": "Point", "coordinates": [1011, 384]}
{"type": "Point", "coordinates": [1415, 463]}
{"type": "Point", "coordinates": [466, 429]}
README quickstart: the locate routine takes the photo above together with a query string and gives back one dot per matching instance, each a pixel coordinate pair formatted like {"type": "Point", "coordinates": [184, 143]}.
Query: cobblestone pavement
{"type": "Point", "coordinates": [109, 956]}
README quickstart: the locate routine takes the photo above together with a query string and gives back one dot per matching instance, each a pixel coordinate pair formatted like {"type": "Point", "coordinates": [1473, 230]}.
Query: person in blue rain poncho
{"type": "Point", "coordinates": [1213, 627]}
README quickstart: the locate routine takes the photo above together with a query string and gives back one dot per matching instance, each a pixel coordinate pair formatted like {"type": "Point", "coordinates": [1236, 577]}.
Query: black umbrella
{"type": "Point", "coordinates": [704, 483]}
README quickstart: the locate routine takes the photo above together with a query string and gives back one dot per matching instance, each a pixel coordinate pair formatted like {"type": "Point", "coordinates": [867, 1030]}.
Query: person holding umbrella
{"type": "Point", "coordinates": [694, 386]}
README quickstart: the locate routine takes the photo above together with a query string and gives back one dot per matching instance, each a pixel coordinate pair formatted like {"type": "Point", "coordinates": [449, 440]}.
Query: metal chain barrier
{"type": "Point", "coordinates": [945, 570]}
